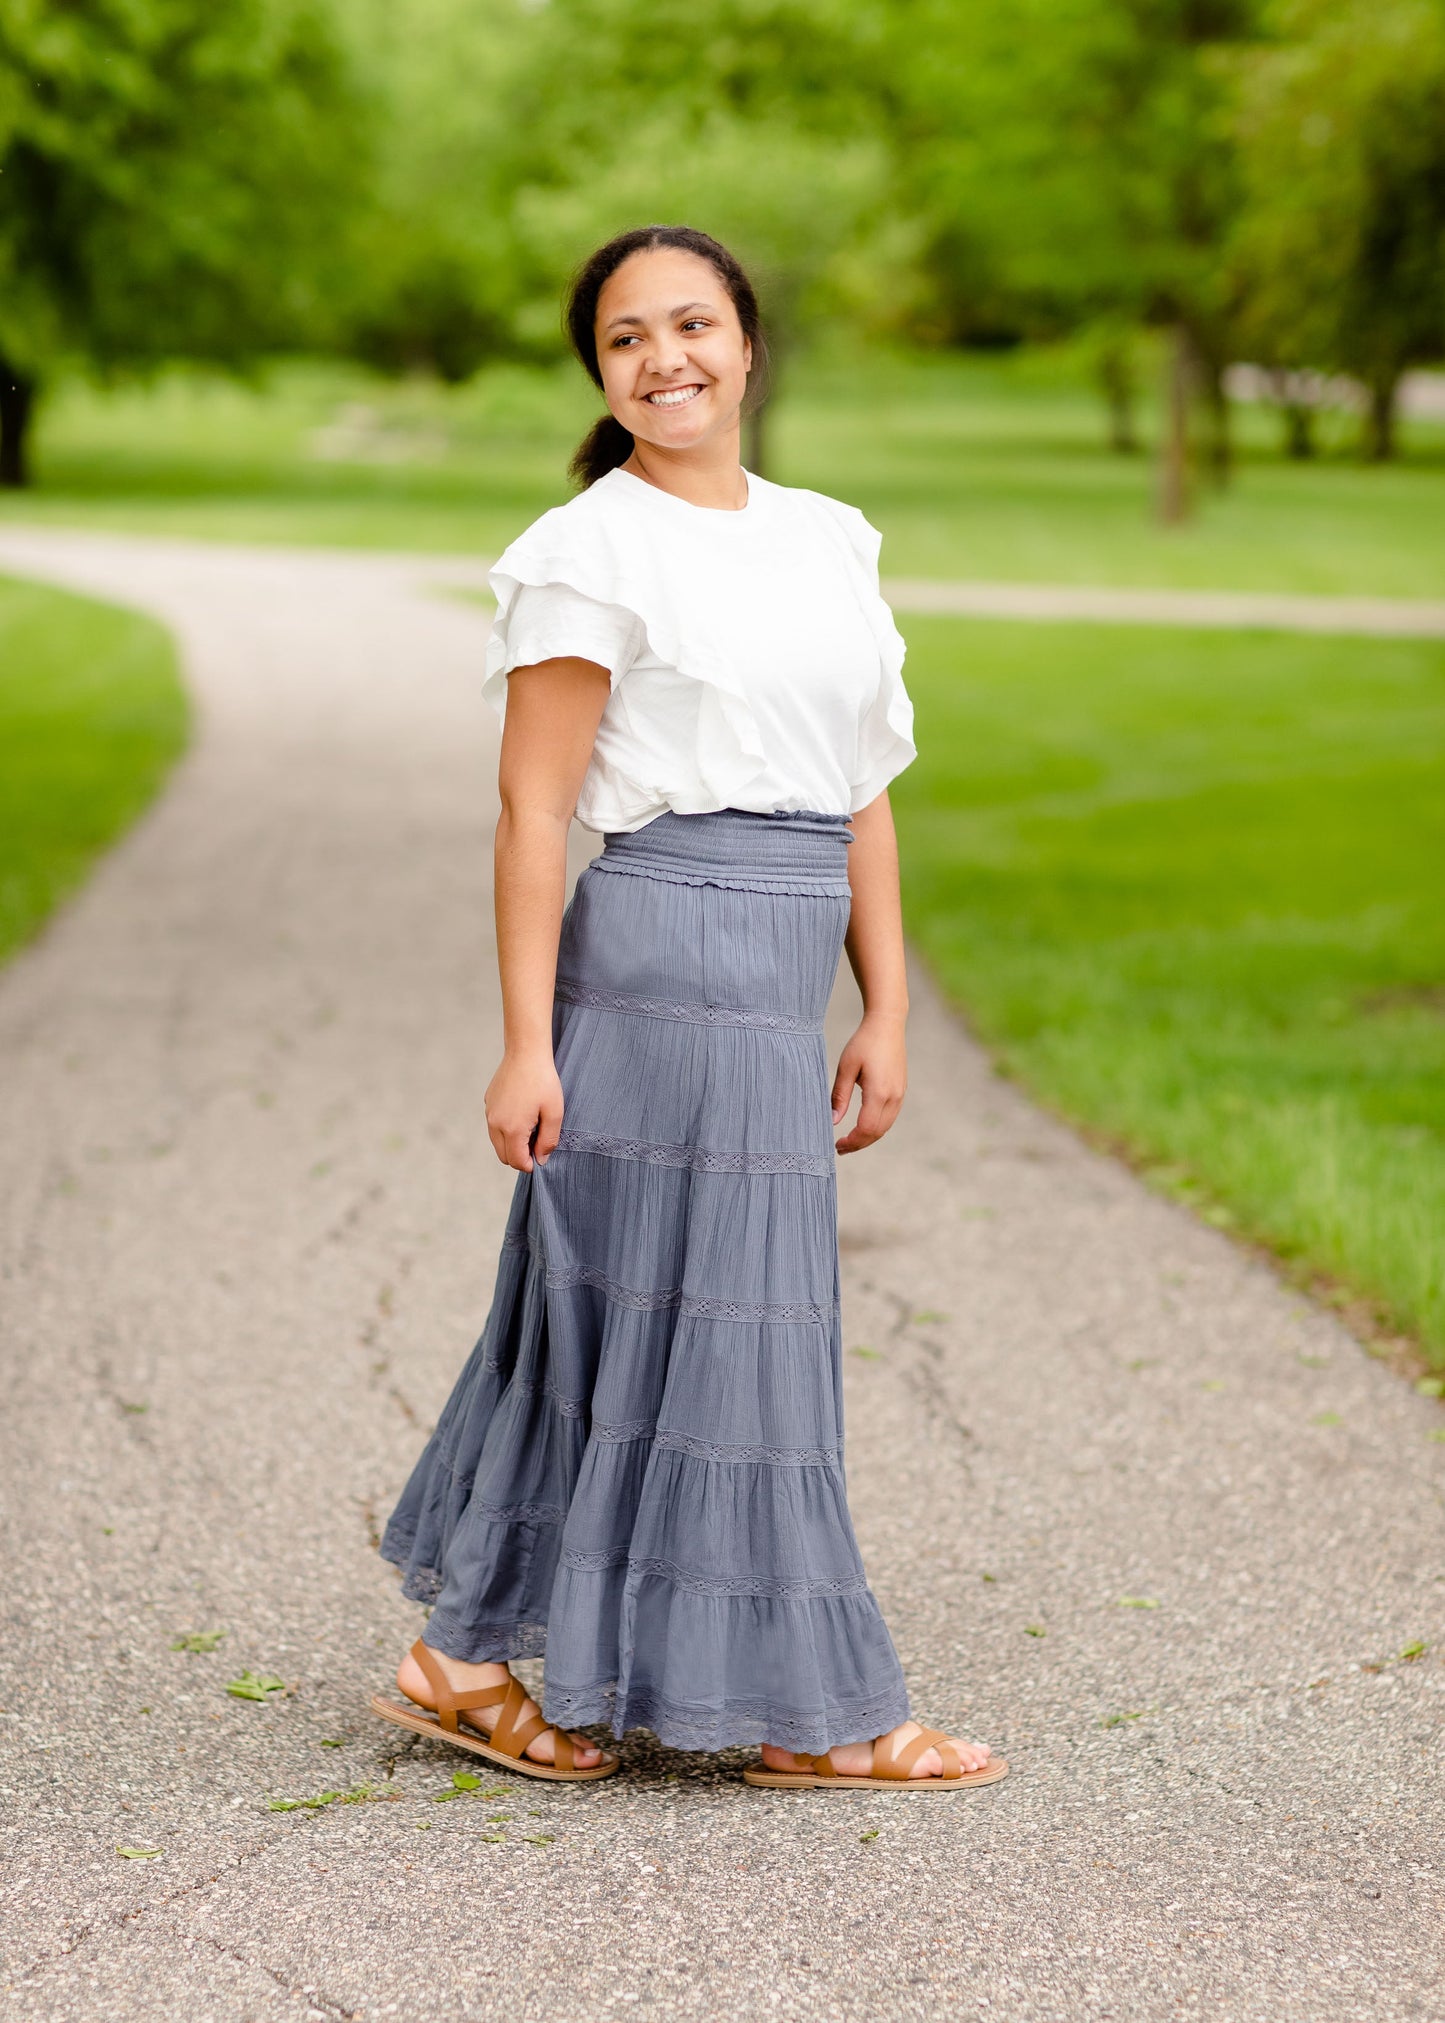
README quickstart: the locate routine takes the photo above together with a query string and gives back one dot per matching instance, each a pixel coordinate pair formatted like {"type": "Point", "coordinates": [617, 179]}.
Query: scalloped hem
{"type": "Point", "coordinates": [736, 1724]}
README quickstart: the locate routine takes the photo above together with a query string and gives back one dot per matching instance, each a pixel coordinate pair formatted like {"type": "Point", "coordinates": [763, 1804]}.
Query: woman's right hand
{"type": "Point", "coordinates": [523, 1100]}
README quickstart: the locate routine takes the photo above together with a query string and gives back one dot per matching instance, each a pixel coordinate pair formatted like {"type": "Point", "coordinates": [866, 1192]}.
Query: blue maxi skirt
{"type": "Point", "coordinates": [640, 1470]}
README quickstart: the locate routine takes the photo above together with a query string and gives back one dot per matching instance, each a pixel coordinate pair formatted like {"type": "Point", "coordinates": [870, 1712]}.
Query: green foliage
{"type": "Point", "coordinates": [1340, 249]}
{"type": "Point", "coordinates": [175, 176]}
{"type": "Point", "coordinates": [92, 715]}
{"type": "Point", "coordinates": [200, 1641]}
{"type": "Point", "coordinates": [255, 1686]}
{"type": "Point", "coordinates": [1188, 887]}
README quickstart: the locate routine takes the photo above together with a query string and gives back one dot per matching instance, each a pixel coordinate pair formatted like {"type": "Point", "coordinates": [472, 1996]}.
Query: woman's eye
{"type": "Point", "coordinates": [695, 323]}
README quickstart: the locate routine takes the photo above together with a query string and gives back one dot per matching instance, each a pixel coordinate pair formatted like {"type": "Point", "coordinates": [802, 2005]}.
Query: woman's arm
{"type": "Point", "coordinates": [553, 710]}
{"type": "Point", "coordinates": [876, 1058]}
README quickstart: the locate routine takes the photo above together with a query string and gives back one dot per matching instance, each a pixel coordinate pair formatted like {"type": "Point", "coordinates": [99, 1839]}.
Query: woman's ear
{"type": "Point", "coordinates": [747, 354]}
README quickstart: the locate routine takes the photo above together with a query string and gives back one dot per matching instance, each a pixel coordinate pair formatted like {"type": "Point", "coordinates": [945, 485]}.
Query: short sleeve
{"type": "Point", "coordinates": [885, 732]}
{"type": "Point", "coordinates": [549, 621]}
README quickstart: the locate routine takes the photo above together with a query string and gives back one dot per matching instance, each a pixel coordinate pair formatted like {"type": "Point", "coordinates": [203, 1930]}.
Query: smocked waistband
{"type": "Point", "coordinates": [734, 846]}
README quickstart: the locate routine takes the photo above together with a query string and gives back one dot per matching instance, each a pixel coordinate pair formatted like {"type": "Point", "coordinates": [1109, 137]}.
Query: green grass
{"type": "Point", "coordinates": [1188, 887]}
{"type": "Point", "coordinates": [92, 714]}
{"type": "Point", "coordinates": [972, 466]}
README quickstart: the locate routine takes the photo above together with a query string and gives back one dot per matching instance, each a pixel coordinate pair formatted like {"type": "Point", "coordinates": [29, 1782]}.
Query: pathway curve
{"type": "Point", "coordinates": [247, 1232]}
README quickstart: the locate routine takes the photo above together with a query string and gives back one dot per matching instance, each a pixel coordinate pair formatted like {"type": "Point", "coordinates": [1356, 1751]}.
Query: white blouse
{"type": "Point", "coordinates": [753, 662]}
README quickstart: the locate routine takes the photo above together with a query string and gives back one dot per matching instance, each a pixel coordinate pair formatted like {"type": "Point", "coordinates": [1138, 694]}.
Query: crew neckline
{"type": "Point", "coordinates": [743, 512]}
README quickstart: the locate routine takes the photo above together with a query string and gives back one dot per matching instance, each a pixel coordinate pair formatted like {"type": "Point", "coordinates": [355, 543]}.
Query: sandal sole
{"type": "Point", "coordinates": [809, 1780]}
{"type": "Point", "coordinates": [424, 1724]}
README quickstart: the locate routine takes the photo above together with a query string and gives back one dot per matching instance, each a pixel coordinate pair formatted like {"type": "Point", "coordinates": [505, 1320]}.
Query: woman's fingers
{"type": "Point", "coordinates": [844, 1083]}
{"type": "Point", "coordinates": [549, 1130]}
{"type": "Point", "coordinates": [512, 1145]}
{"type": "Point", "coordinates": [876, 1116]}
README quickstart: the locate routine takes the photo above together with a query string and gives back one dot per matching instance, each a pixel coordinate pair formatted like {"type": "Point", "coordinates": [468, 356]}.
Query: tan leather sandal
{"type": "Point", "coordinates": [889, 1769]}
{"type": "Point", "coordinates": [505, 1741]}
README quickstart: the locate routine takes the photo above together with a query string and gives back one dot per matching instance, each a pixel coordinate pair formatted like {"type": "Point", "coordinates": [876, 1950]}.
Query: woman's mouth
{"type": "Point", "coordinates": [672, 396]}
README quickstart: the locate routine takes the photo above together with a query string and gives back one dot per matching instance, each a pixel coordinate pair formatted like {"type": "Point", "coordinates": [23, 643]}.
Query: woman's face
{"type": "Point", "coordinates": [672, 353]}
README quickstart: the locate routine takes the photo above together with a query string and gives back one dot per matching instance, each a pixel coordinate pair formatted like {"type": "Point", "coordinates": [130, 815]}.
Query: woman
{"type": "Point", "coordinates": [640, 1468]}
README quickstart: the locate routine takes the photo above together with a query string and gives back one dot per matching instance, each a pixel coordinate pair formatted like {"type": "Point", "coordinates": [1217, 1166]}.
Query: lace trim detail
{"type": "Point", "coordinates": [696, 1157]}
{"type": "Point", "coordinates": [751, 1584]}
{"type": "Point", "coordinates": [595, 1562]}
{"type": "Point", "coordinates": [754, 1311]}
{"type": "Point", "coordinates": [688, 1014]}
{"type": "Point", "coordinates": [519, 1513]}
{"type": "Point", "coordinates": [624, 1431]}
{"type": "Point", "coordinates": [570, 1408]}
{"type": "Point", "coordinates": [736, 1723]}
{"type": "Point", "coordinates": [802, 887]}
{"type": "Point", "coordinates": [750, 1310]}
{"type": "Point", "coordinates": [775, 1457]}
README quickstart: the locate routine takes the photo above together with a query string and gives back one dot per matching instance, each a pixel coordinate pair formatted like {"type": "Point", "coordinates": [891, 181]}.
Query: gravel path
{"type": "Point", "coordinates": [249, 1226]}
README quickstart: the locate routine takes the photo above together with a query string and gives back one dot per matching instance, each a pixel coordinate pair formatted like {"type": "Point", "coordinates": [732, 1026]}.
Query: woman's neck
{"type": "Point", "coordinates": [710, 475]}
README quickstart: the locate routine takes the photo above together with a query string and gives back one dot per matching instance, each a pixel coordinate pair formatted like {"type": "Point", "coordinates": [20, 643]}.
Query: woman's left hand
{"type": "Point", "coordinates": [875, 1060]}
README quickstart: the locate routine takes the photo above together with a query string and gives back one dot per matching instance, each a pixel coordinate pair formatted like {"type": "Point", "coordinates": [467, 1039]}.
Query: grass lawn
{"type": "Point", "coordinates": [972, 466]}
{"type": "Point", "coordinates": [1188, 887]}
{"type": "Point", "coordinates": [92, 714]}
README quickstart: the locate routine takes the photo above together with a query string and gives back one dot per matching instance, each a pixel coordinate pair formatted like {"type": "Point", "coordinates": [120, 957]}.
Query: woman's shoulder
{"type": "Point", "coordinates": [582, 543]}
{"type": "Point", "coordinates": [823, 509]}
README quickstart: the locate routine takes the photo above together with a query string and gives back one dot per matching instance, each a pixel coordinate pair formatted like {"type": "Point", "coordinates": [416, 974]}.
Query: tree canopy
{"type": "Point", "coordinates": [412, 180]}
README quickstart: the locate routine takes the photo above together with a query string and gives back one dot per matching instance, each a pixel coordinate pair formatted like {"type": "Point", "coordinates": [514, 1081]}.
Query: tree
{"type": "Point", "coordinates": [1076, 159]}
{"type": "Point", "coordinates": [1341, 245]}
{"type": "Point", "coordinates": [755, 120]}
{"type": "Point", "coordinates": [177, 180]}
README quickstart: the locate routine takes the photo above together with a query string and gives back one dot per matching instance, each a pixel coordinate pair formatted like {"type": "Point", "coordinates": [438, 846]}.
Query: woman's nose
{"type": "Point", "coordinates": [666, 355]}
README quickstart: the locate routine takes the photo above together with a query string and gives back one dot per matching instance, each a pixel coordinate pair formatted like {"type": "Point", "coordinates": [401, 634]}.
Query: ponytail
{"type": "Point", "coordinates": [606, 445]}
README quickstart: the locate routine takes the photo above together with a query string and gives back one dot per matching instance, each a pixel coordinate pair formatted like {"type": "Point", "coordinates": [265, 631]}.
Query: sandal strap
{"type": "Point", "coordinates": [449, 1703]}
{"type": "Point", "coordinates": [823, 1765]}
{"type": "Point", "coordinates": [562, 1755]}
{"type": "Point", "coordinates": [899, 1764]}
{"type": "Point", "coordinates": [511, 1735]}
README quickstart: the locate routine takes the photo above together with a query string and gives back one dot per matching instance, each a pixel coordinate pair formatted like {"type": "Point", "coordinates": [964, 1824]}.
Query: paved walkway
{"type": "Point", "coordinates": [248, 1233]}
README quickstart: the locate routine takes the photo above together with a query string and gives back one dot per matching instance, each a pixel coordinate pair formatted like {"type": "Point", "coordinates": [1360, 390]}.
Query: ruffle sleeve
{"type": "Point", "coordinates": [554, 621]}
{"type": "Point", "coordinates": [609, 557]}
{"type": "Point", "coordinates": [885, 740]}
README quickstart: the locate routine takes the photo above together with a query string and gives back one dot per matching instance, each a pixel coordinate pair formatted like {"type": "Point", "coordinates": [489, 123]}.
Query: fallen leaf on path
{"type": "Point", "coordinates": [199, 1640]}
{"type": "Point", "coordinates": [1413, 1651]}
{"type": "Point", "coordinates": [139, 1853]}
{"type": "Point", "coordinates": [255, 1686]}
{"type": "Point", "coordinates": [1035, 1630]}
{"type": "Point", "coordinates": [360, 1794]}
{"type": "Point", "coordinates": [871, 1834]}
{"type": "Point", "coordinates": [1136, 1602]}
{"type": "Point", "coordinates": [1327, 1419]}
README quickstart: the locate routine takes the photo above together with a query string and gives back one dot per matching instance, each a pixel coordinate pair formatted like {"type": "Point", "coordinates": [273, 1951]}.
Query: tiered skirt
{"type": "Point", "coordinates": [640, 1469]}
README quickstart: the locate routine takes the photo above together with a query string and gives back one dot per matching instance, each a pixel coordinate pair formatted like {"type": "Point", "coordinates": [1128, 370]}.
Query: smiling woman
{"type": "Point", "coordinates": [640, 1470]}
{"type": "Point", "coordinates": [679, 357]}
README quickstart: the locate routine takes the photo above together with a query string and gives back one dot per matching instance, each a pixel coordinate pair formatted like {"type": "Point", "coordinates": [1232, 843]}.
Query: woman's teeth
{"type": "Point", "coordinates": [673, 396]}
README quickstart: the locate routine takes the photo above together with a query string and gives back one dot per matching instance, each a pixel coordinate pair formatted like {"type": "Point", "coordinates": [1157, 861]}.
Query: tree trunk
{"type": "Point", "coordinates": [1174, 488]}
{"type": "Point", "coordinates": [1116, 378]}
{"type": "Point", "coordinates": [1221, 446]}
{"type": "Point", "coordinates": [1299, 431]}
{"type": "Point", "coordinates": [17, 405]}
{"type": "Point", "coordinates": [1380, 419]}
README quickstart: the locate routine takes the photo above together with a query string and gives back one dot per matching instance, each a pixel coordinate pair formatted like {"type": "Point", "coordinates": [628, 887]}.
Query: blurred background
{"type": "Point", "coordinates": [1114, 293]}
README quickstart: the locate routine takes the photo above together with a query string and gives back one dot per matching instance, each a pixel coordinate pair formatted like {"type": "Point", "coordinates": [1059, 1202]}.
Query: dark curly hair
{"type": "Point", "coordinates": [608, 444]}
